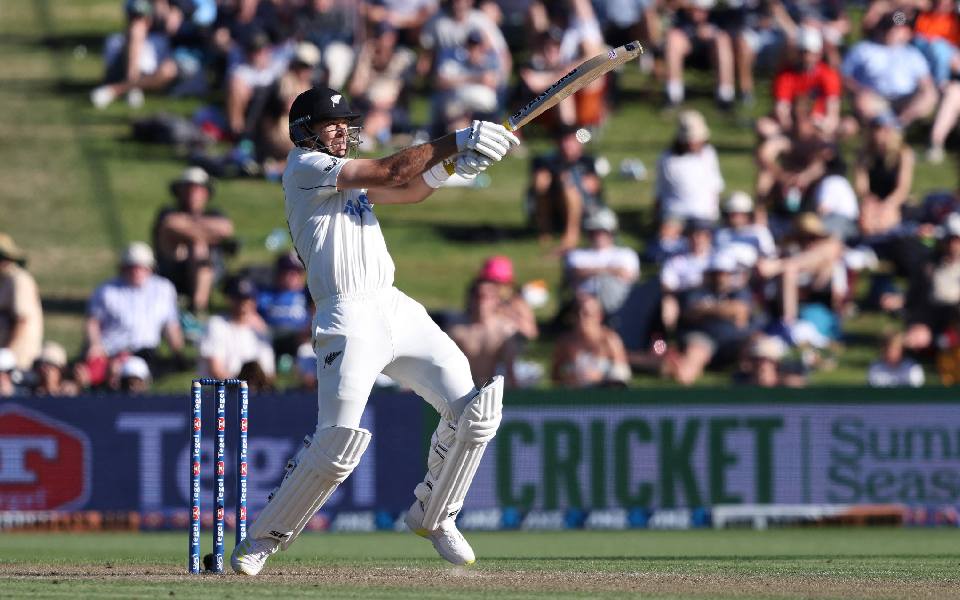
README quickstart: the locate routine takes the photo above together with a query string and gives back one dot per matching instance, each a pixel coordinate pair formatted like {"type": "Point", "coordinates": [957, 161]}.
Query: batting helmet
{"type": "Point", "coordinates": [316, 105]}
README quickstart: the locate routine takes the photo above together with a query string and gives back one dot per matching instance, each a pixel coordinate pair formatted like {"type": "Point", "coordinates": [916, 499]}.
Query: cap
{"type": "Point", "coordinates": [306, 54]}
{"type": "Point", "coordinates": [474, 38]}
{"type": "Point", "coordinates": [9, 249]}
{"type": "Point", "coordinates": [692, 127]}
{"type": "Point", "coordinates": [135, 367]}
{"type": "Point", "coordinates": [603, 219]}
{"type": "Point", "coordinates": [320, 104]}
{"type": "Point", "coordinates": [191, 176]}
{"type": "Point", "coordinates": [722, 262]}
{"type": "Point", "coordinates": [255, 39]}
{"type": "Point", "coordinates": [137, 254]}
{"type": "Point", "coordinates": [289, 262]}
{"type": "Point", "coordinates": [769, 347]}
{"type": "Point", "coordinates": [240, 288]}
{"type": "Point", "coordinates": [498, 269]}
{"type": "Point", "coordinates": [810, 39]}
{"type": "Point", "coordinates": [8, 360]}
{"type": "Point", "coordinates": [53, 353]}
{"type": "Point", "coordinates": [738, 202]}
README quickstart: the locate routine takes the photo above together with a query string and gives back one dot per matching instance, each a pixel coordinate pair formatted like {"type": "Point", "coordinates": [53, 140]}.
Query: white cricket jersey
{"type": "Point", "coordinates": [335, 232]}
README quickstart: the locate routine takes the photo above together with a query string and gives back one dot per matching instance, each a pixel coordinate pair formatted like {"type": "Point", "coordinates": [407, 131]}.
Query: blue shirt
{"type": "Point", "coordinates": [891, 71]}
{"type": "Point", "coordinates": [284, 311]}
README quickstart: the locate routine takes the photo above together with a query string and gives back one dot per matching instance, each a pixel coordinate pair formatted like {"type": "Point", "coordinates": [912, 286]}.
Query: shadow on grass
{"type": "Point", "coordinates": [482, 233]}
{"type": "Point", "coordinates": [64, 305]}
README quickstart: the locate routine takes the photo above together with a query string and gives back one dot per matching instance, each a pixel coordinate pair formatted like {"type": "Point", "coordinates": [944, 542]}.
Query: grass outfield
{"type": "Point", "coordinates": [806, 563]}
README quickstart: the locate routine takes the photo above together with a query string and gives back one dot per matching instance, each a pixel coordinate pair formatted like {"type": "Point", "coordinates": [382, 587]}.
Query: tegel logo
{"type": "Point", "coordinates": [44, 463]}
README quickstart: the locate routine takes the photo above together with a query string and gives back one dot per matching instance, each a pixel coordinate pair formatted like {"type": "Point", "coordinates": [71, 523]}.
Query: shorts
{"type": "Point", "coordinates": [358, 336]}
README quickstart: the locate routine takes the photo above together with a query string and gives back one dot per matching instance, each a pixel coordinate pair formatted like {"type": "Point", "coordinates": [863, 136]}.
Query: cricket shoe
{"type": "Point", "coordinates": [249, 556]}
{"type": "Point", "coordinates": [447, 539]}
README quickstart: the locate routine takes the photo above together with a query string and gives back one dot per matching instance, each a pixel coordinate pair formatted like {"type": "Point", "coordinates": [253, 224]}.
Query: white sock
{"type": "Point", "coordinates": [725, 92]}
{"type": "Point", "coordinates": [675, 91]}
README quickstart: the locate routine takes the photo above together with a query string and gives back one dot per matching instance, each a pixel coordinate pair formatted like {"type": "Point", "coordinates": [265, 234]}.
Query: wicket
{"type": "Point", "coordinates": [243, 401]}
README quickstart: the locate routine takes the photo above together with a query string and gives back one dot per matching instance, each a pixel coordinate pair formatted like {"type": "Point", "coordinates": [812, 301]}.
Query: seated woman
{"type": "Point", "coordinates": [589, 354]}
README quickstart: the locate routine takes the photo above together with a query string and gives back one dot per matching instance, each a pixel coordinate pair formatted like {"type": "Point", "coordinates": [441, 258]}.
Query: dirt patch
{"type": "Point", "coordinates": [493, 581]}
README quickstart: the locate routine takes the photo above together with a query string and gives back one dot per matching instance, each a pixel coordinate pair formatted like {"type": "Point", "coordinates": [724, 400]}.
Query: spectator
{"type": "Point", "coordinates": [715, 321]}
{"type": "Point", "coordinates": [564, 188]}
{"type": "Point", "coordinates": [887, 75]}
{"type": "Point", "coordinates": [589, 354]}
{"type": "Point", "coordinates": [689, 182]}
{"type": "Point", "coordinates": [21, 315]}
{"type": "Point", "coordinates": [893, 369]}
{"type": "Point", "coordinates": [238, 338]}
{"type": "Point", "coordinates": [128, 314]}
{"type": "Point", "coordinates": [408, 17]}
{"type": "Point", "coordinates": [447, 33]}
{"type": "Point", "coordinates": [883, 176]}
{"type": "Point", "coordinates": [932, 309]}
{"type": "Point", "coordinates": [272, 140]}
{"type": "Point", "coordinates": [487, 338]}
{"type": "Point", "coordinates": [545, 66]}
{"type": "Point", "coordinates": [807, 76]}
{"type": "Point", "coordinates": [190, 238]}
{"type": "Point", "coordinates": [330, 25]}
{"type": "Point", "coordinates": [759, 31]}
{"type": "Point", "coordinates": [944, 122]}
{"type": "Point", "coordinates": [764, 365]}
{"type": "Point", "coordinates": [285, 307]}
{"type": "Point", "coordinates": [379, 84]}
{"type": "Point", "coordinates": [695, 32]}
{"type": "Point", "coordinates": [936, 35]}
{"type": "Point", "coordinates": [249, 82]}
{"type": "Point", "coordinates": [513, 307]}
{"type": "Point", "coordinates": [134, 376]}
{"type": "Point", "coordinates": [684, 272]}
{"type": "Point", "coordinates": [603, 269]}
{"type": "Point", "coordinates": [835, 201]}
{"type": "Point", "coordinates": [466, 84]}
{"type": "Point", "coordinates": [49, 372]}
{"type": "Point", "coordinates": [8, 369]}
{"type": "Point", "coordinates": [742, 229]}
{"type": "Point", "coordinates": [829, 17]}
{"type": "Point", "coordinates": [305, 366]}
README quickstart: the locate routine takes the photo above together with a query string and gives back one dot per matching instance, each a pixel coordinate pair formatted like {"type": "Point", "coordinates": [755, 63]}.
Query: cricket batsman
{"type": "Point", "coordinates": [364, 326]}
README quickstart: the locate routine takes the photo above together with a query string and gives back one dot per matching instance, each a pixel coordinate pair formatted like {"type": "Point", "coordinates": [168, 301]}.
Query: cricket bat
{"type": "Point", "coordinates": [572, 82]}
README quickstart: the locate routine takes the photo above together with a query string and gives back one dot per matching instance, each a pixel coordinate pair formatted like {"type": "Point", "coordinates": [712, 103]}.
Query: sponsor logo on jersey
{"type": "Point", "coordinates": [328, 168]}
{"type": "Point", "coordinates": [359, 207]}
{"type": "Point", "coordinates": [329, 358]}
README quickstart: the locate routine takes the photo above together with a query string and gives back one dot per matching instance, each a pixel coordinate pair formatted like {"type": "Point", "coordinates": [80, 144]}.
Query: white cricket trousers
{"type": "Point", "coordinates": [358, 336]}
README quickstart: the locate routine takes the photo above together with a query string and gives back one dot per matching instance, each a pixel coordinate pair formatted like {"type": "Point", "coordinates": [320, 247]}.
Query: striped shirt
{"type": "Point", "coordinates": [132, 318]}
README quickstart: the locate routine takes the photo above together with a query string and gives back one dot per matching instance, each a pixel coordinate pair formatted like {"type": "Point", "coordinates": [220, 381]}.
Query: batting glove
{"type": "Point", "coordinates": [471, 163]}
{"type": "Point", "coordinates": [489, 139]}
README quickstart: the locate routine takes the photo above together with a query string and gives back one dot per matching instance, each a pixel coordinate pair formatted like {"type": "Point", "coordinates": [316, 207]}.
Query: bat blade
{"type": "Point", "coordinates": [572, 82]}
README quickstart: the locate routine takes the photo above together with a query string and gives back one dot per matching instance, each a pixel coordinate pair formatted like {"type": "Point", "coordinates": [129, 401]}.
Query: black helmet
{"type": "Point", "coordinates": [315, 105]}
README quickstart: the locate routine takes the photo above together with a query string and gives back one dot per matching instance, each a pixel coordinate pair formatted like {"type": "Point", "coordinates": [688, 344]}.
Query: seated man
{"type": "Point", "coordinates": [466, 83]}
{"type": "Point", "coordinates": [716, 319]}
{"type": "Point", "coordinates": [128, 313]}
{"type": "Point", "coordinates": [21, 315]}
{"type": "Point", "coordinates": [239, 339]}
{"type": "Point", "coordinates": [564, 187]}
{"type": "Point", "coordinates": [286, 306]}
{"type": "Point", "coordinates": [189, 237]}
{"type": "Point", "coordinates": [488, 339]}
{"type": "Point", "coordinates": [697, 30]}
{"type": "Point", "coordinates": [603, 269]}
{"type": "Point", "coordinates": [684, 272]}
{"type": "Point", "coordinates": [250, 81]}
{"type": "Point", "coordinates": [887, 74]}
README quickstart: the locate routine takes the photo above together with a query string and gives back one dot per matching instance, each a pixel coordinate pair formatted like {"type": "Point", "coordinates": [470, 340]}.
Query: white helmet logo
{"type": "Point", "coordinates": [335, 100]}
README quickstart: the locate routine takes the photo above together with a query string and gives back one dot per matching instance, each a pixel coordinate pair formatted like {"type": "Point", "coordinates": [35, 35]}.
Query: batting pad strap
{"type": "Point", "coordinates": [333, 454]}
{"type": "Point", "coordinates": [476, 427]}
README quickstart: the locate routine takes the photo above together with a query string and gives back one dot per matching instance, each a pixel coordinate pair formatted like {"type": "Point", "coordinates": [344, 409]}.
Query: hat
{"type": "Point", "coordinates": [306, 54]}
{"type": "Point", "coordinates": [135, 367]}
{"type": "Point", "coordinates": [498, 269]}
{"type": "Point", "coordinates": [601, 220]}
{"type": "Point", "coordinates": [8, 360]}
{"type": "Point", "coordinates": [692, 127]}
{"type": "Point", "coordinates": [289, 262]}
{"type": "Point", "coordinates": [810, 40]}
{"type": "Point", "coordinates": [738, 202]}
{"type": "Point", "coordinates": [808, 223]}
{"type": "Point", "coordinates": [53, 354]}
{"type": "Point", "coordinates": [137, 254]}
{"type": "Point", "coordinates": [240, 288]}
{"type": "Point", "coordinates": [769, 347]}
{"type": "Point", "coordinates": [192, 176]}
{"type": "Point", "coordinates": [255, 39]}
{"type": "Point", "coordinates": [474, 38]}
{"type": "Point", "coordinates": [722, 262]}
{"type": "Point", "coordinates": [9, 249]}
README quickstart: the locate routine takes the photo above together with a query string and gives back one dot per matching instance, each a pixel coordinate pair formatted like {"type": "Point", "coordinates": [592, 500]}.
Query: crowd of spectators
{"type": "Point", "coordinates": [754, 284]}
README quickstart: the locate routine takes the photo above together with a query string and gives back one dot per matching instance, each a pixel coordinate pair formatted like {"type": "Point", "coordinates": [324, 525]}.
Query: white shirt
{"type": "Point", "coordinates": [335, 232]}
{"type": "Point", "coordinates": [445, 34]}
{"type": "Point", "coordinates": [683, 272]}
{"type": "Point", "coordinates": [756, 236]}
{"type": "Point", "coordinates": [689, 185]}
{"type": "Point", "coordinates": [132, 318]}
{"type": "Point", "coordinates": [835, 196]}
{"type": "Point", "coordinates": [904, 373]}
{"type": "Point", "coordinates": [618, 257]}
{"type": "Point", "coordinates": [234, 345]}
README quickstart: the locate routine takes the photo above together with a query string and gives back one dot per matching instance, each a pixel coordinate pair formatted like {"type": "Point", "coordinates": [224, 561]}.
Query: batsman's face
{"type": "Point", "coordinates": [333, 135]}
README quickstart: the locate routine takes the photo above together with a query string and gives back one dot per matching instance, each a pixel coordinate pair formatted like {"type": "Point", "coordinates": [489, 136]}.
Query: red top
{"type": "Point", "coordinates": [932, 25]}
{"type": "Point", "coordinates": [819, 84]}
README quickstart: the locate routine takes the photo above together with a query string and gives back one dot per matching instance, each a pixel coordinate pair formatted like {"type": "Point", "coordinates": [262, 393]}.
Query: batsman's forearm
{"type": "Point", "coordinates": [407, 164]}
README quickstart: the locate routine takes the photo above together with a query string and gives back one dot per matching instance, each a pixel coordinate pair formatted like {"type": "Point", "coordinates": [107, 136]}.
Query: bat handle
{"type": "Point", "coordinates": [507, 125]}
